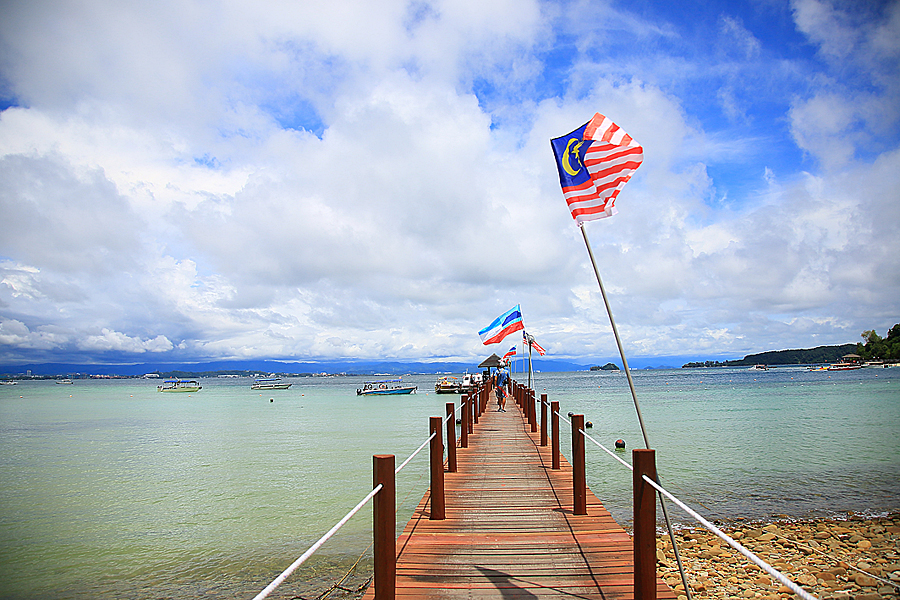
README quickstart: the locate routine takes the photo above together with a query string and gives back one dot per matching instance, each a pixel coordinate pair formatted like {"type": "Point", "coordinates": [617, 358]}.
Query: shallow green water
{"type": "Point", "coordinates": [112, 490]}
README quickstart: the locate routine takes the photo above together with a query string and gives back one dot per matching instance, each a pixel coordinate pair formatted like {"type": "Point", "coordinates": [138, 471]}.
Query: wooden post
{"type": "Point", "coordinates": [451, 437]}
{"type": "Point", "coordinates": [384, 522]}
{"type": "Point", "coordinates": [644, 462]}
{"type": "Point", "coordinates": [475, 402]}
{"type": "Point", "coordinates": [579, 482]}
{"type": "Point", "coordinates": [437, 470]}
{"type": "Point", "coordinates": [543, 419]}
{"type": "Point", "coordinates": [464, 430]}
{"type": "Point", "coordinates": [554, 433]}
{"type": "Point", "coordinates": [532, 408]}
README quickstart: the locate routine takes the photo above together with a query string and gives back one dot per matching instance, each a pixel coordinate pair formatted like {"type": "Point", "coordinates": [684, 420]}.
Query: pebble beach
{"type": "Point", "coordinates": [857, 558]}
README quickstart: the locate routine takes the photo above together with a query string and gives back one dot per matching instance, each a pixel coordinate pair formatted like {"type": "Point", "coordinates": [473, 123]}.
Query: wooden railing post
{"type": "Point", "coordinates": [554, 434]}
{"type": "Point", "coordinates": [437, 470]}
{"type": "Point", "coordinates": [579, 482]}
{"type": "Point", "coordinates": [644, 462]}
{"type": "Point", "coordinates": [532, 408]}
{"type": "Point", "coordinates": [464, 429]}
{"type": "Point", "coordinates": [475, 402]}
{"type": "Point", "coordinates": [384, 522]}
{"type": "Point", "coordinates": [543, 419]}
{"type": "Point", "coordinates": [451, 437]}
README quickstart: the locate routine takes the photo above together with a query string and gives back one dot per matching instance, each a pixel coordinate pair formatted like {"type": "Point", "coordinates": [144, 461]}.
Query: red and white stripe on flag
{"type": "Point", "coordinates": [610, 160]}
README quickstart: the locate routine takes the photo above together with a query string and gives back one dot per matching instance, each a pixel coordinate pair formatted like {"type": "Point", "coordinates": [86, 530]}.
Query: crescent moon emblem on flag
{"type": "Point", "coordinates": [565, 161]}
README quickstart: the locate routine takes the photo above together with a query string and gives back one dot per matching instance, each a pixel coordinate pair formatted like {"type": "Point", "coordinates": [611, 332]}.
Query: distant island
{"type": "Point", "coordinates": [875, 348]}
{"type": "Point", "coordinates": [606, 367]}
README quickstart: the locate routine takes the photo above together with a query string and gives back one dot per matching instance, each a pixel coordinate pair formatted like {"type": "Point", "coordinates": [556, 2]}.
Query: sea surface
{"type": "Point", "coordinates": [109, 489]}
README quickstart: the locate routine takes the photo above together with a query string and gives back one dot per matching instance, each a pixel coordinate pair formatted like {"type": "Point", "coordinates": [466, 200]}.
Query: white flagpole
{"type": "Point", "coordinates": [637, 406]}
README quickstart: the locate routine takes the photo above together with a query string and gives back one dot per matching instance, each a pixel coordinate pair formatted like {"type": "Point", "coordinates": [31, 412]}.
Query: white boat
{"type": "Point", "coordinates": [759, 368]}
{"type": "Point", "coordinates": [388, 387]}
{"type": "Point", "coordinates": [271, 383]}
{"type": "Point", "coordinates": [470, 382]}
{"type": "Point", "coordinates": [8, 382]}
{"type": "Point", "coordinates": [844, 366]}
{"type": "Point", "coordinates": [65, 381]}
{"type": "Point", "coordinates": [179, 385]}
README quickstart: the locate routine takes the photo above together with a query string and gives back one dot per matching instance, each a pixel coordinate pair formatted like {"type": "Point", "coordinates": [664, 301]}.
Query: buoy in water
{"type": "Point", "coordinates": [588, 424]}
{"type": "Point", "coordinates": [620, 444]}
{"type": "Point", "coordinates": [570, 414]}
{"type": "Point", "coordinates": [271, 399]}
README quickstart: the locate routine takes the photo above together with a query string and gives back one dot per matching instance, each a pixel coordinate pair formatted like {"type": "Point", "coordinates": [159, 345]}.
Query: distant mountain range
{"type": "Point", "coordinates": [822, 354]}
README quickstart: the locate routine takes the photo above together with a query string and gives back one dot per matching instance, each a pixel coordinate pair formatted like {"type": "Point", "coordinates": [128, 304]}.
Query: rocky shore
{"type": "Point", "coordinates": [853, 559]}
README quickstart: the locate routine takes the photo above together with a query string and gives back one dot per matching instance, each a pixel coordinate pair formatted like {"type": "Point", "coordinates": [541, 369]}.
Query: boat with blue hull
{"type": "Point", "coordinates": [385, 388]}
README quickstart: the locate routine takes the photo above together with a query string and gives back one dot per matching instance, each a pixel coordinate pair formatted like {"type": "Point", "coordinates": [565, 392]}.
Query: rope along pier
{"type": "Point", "coordinates": [507, 516]}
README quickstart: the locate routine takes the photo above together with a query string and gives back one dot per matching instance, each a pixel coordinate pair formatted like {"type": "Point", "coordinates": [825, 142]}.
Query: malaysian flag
{"type": "Point", "coordinates": [529, 339]}
{"type": "Point", "coordinates": [595, 162]}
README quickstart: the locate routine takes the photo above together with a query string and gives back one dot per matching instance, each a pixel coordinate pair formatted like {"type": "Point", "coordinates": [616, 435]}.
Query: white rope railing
{"type": "Point", "coordinates": [731, 542]}
{"type": "Point", "coordinates": [312, 549]}
{"type": "Point", "coordinates": [755, 559]}
{"type": "Point", "coordinates": [420, 448]}
{"type": "Point", "coordinates": [287, 572]}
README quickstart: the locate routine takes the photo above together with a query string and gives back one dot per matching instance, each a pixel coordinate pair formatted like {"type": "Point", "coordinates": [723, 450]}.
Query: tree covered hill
{"type": "Point", "coordinates": [875, 348]}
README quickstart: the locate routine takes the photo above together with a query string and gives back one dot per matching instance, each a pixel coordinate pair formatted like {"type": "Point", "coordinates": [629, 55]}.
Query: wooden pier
{"type": "Point", "coordinates": [510, 530]}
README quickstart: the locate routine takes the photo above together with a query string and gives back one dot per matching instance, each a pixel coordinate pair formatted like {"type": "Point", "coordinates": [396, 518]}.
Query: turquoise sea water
{"type": "Point", "coordinates": [109, 489]}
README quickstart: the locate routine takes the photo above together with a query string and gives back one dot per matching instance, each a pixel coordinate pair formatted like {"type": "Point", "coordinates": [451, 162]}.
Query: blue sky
{"type": "Point", "coordinates": [187, 181]}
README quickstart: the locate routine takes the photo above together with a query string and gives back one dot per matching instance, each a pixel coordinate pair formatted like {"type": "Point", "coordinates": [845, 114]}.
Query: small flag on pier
{"type": "Point", "coordinates": [529, 339]}
{"type": "Point", "coordinates": [507, 323]}
{"type": "Point", "coordinates": [510, 354]}
{"type": "Point", "coordinates": [595, 162]}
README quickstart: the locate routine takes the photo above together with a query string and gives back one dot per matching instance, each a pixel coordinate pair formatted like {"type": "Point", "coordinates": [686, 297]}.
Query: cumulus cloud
{"type": "Point", "coordinates": [304, 182]}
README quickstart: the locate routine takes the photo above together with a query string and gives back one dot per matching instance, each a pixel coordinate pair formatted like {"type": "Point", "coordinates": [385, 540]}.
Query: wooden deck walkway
{"type": "Point", "coordinates": [510, 531]}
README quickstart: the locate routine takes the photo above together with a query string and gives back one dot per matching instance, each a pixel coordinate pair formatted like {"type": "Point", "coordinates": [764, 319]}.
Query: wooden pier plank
{"type": "Point", "coordinates": [510, 531]}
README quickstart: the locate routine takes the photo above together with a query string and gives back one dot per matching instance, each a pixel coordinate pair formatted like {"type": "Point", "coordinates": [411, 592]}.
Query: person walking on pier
{"type": "Point", "coordinates": [502, 382]}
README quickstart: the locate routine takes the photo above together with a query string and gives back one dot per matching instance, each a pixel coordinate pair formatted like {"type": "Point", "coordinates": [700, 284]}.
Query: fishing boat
{"type": "Point", "coordinates": [387, 387]}
{"type": "Point", "coordinates": [179, 385]}
{"type": "Point", "coordinates": [448, 385]}
{"type": "Point", "coordinates": [270, 383]}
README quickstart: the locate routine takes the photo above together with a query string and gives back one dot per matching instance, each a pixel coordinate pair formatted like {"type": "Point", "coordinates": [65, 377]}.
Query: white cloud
{"type": "Point", "coordinates": [304, 181]}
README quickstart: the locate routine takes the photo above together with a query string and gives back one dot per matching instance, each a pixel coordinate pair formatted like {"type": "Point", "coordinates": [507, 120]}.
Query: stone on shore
{"type": "Point", "coordinates": [853, 559]}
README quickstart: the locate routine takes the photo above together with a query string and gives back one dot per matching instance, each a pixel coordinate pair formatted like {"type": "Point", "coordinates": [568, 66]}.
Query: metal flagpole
{"type": "Point", "coordinates": [529, 361]}
{"type": "Point", "coordinates": [637, 406]}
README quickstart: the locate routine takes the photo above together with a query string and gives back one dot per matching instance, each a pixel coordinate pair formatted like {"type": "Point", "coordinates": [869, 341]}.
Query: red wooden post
{"type": "Point", "coordinates": [451, 437]}
{"type": "Point", "coordinates": [554, 433]}
{"type": "Point", "coordinates": [464, 430]}
{"type": "Point", "coordinates": [579, 483]}
{"type": "Point", "coordinates": [471, 409]}
{"type": "Point", "coordinates": [437, 470]}
{"type": "Point", "coordinates": [533, 410]}
{"type": "Point", "coordinates": [644, 462]}
{"type": "Point", "coordinates": [543, 419]}
{"type": "Point", "coordinates": [384, 521]}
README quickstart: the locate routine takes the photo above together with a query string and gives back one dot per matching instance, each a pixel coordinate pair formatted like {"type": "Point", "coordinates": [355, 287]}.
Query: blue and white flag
{"type": "Point", "coordinates": [507, 323]}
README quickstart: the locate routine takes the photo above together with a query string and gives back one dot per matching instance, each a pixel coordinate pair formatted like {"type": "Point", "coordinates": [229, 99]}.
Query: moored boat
{"type": "Point", "coordinates": [65, 381]}
{"type": "Point", "coordinates": [470, 382]}
{"type": "Point", "coordinates": [845, 366]}
{"type": "Point", "coordinates": [759, 368]}
{"type": "Point", "coordinates": [448, 385]}
{"type": "Point", "coordinates": [388, 387]}
{"type": "Point", "coordinates": [179, 385]}
{"type": "Point", "coordinates": [270, 383]}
